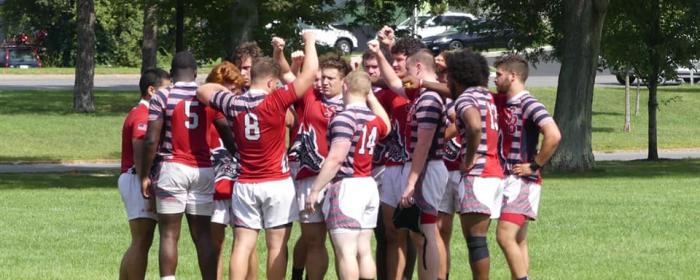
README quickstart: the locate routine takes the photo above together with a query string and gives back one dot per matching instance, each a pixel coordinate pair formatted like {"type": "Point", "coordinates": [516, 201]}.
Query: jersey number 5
{"type": "Point", "coordinates": [192, 121]}
{"type": "Point", "coordinates": [367, 143]}
{"type": "Point", "coordinates": [252, 127]}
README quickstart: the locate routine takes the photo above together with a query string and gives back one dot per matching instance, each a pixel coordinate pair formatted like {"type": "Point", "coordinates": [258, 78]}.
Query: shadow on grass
{"type": "Point", "coordinates": [35, 159]}
{"type": "Point", "coordinates": [606, 113]}
{"type": "Point", "coordinates": [61, 102]}
{"type": "Point", "coordinates": [603, 129]}
{"type": "Point", "coordinates": [69, 180]}
{"type": "Point", "coordinates": [686, 168]}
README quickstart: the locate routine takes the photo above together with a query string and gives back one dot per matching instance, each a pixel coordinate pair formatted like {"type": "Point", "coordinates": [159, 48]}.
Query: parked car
{"type": "Point", "coordinates": [19, 56]}
{"type": "Point", "coordinates": [330, 35]}
{"type": "Point", "coordinates": [431, 26]}
{"type": "Point", "coordinates": [475, 34]}
{"type": "Point", "coordinates": [663, 79]}
{"type": "Point", "coordinates": [684, 73]}
{"type": "Point", "coordinates": [404, 29]}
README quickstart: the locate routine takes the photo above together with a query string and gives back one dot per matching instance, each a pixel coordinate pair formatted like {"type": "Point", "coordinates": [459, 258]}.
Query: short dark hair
{"type": "Point", "coordinates": [247, 49]}
{"type": "Point", "coordinates": [407, 46]}
{"type": "Point", "coordinates": [335, 61]}
{"type": "Point", "coordinates": [264, 66]}
{"type": "Point", "coordinates": [367, 55]}
{"type": "Point", "coordinates": [425, 57]}
{"type": "Point", "coordinates": [514, 63]}
{"type": "Point", "coordinates": [466, 68]}
{"type": "Point", "coordinates": [152, 77]}
{"type": "Point", "coordinates": [183, 60]}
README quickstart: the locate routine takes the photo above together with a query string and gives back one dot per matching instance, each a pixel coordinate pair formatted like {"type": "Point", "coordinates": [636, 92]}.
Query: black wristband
{"type": "Point", "coordinates": [534, 166]}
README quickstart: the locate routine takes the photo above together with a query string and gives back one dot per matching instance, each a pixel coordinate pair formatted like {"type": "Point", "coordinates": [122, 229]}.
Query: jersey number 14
{"type": "Point", "coordinates": [367, 143]}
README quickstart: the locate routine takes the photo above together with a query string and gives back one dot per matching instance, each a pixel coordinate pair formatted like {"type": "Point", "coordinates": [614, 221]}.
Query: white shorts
{"type": "Point", "coordinates": [430, 186]}
{"type": "Point", "coordinates": [351, 204]}
{"type": "Point", "coordinates": [393, 184]}
{"type": "Point", "coordinates": [450, 199]}
{"type": "Point", "coordinates": [264, 205]}
{"type": "Point", "coordinates": [134, 203]}
{"type": "Point", "coordinates": [377, 174]}
{"type": "Point", "coordinates": [303, 189]}
{"type": "Point", "coordinates": [521, 197]}
{"type": "Point", "coordinates": [185, 189]}
{"type": "Point", "coordinates": [482, 196]}
{"type": "Point", "coordinates": [223, 212]}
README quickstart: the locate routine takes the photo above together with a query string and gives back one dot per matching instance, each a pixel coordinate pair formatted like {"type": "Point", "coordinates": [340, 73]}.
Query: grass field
{"type": "Point", "coordinates": [39, 125]}
{"type": "Point", "coordinates": [625, 220]}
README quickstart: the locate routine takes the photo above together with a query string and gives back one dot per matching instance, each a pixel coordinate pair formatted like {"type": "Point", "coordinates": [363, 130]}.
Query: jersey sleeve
{"type": "Point", "coordinates": [139, 127]}
{"type": "Point", "coordinates": [222, 101]}
{"type": "Point", "coordinates": [535, 111]}
{"type": "Point", "coordinates": [283, 97]}
{"type": "Point", "coordinates": [381, 126]}
{"type": "Point", "coordinates": [156, 107]}
{"type": "Point", "coordinates": [429, 110]}
{"type": "Point", "coordinates": [464, 102]}
{"type": "Point", "coordinates": [342, 128]}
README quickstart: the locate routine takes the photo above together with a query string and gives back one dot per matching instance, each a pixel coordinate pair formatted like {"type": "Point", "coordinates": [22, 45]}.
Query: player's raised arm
{"type": "Point", "coordinates": [390, 77]}
{"type": "Point", "coordinates": [308, 74]}
{"type": "Point", "coordinates": [297, 62]}
{"type": "Point", "coordinates": [378, 110]}
{"type": "Point", "coordinates": [440, 88]}
{"type": "Point", "coordinates": [206, 92]}
{"type": "Point", "coordinates": [278, 55]}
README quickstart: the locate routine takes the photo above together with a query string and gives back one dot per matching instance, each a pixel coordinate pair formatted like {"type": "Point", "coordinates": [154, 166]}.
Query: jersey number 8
{"type": "Point", "coordinates": [252, 127]}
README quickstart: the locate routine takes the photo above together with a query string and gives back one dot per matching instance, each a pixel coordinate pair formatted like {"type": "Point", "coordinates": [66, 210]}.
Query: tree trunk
{"type": "Point", "coordinates": [180, 26]}
{"type": "Point", "coordinates": [652, 84]}
{"type": "Point", "coordinates": [244, 21]}
{"type": "Point", "coordinates": [83, 99]}
{"type": "Point", "coordinates": [636, 101]}
{"type": "Point", "coordinates": [627, 127]}
{"type": "Point", "coordinates": [149, 46]}
{"type": "Point", "coordinates": [573, 109]}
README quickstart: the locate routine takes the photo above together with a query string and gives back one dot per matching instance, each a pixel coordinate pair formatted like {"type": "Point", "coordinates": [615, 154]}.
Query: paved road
{"type": "Point", "coordinates": [89, 166]}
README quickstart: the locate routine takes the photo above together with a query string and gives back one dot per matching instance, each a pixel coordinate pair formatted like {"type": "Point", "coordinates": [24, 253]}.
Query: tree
{"type": "Point", "coordinates": [149, 46]}
{"type": "Point", "coordinates": [180, 26]}
{"type": "Point", "coordinates": [83, 99]}
{"type": "Point", "coordinates": [652, 38]}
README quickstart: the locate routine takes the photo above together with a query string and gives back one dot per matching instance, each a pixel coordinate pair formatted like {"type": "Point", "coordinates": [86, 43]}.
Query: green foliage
{"type": "Point", "coordinates": [627, 37]}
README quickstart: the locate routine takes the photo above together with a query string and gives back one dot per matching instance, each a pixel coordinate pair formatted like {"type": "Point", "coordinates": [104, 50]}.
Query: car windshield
{"type": "Point", "coordinates": [22, 55]}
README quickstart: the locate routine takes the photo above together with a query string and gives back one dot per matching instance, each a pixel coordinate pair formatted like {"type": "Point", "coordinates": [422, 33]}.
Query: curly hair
{"type": "Point", "coordinates": [407, 46]}
{"type": "Point", "coordinates": [513, 63]}
{"type": "Point", "coordinates": [245, 50]}
{"type": "Point", "coordinates": [335, 61]}
{"type": "Point", "coordinates": [466, 69]}
{"type": "Point", "coordinates": [226, 73]}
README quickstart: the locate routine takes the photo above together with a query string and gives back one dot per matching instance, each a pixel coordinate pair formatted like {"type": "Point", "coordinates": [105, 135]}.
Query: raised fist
{"type": "Point", "coordinates": [278, 43]}
{"type": "Point", "coordinates": [308, 36]}
{"type": "Point", "coordinates": [298, 56]}
{"type": "Point", "coordinates": [373, 46]}
{"type": "Point", "coordinates": [386, 35]}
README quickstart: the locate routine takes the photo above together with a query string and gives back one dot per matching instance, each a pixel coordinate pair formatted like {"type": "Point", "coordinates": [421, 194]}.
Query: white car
{"type": "Point", "coordinates": [684, 73]}
{"type": "Point", "coordinates": [331, 36]}
{"type": "Point", "coordinates": [437, 24]}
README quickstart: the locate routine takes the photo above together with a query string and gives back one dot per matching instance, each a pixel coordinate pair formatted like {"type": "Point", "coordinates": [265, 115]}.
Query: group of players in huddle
{"type": "Point", "coordinates": [392, 148]}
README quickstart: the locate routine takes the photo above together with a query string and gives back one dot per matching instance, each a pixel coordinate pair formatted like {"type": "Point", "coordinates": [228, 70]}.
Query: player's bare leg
{"type": "Point", "coordinates": [200, 231]}
{"type": "Point", "coordinates": [346, 254]}
{"type": "Point", "coordinates": [314, 236]}
{"type": "Point", "coordinates": [395, 245]}
{"type": "Point", "coordinates": [218, 234]}
{"type": "Point", "coordinates": [244, 244]}
{"type": "Point", "coordinates": [276, 239]}
{"type": "Point", "coordinates": [364, 255]}
{"type": "Point", "coordinates": [521, 238]}
{"type": "Point", "coordinates": [506, 234]}
{"type": "Point", "coordinates": [444, 224]}
{"type": "Point", "coordinates": [135, 260]}
{"type": "Point", "coordinates": [428, 258]}
{"type": "Point", "coordinates": [475, 228]}
{"type": "Point", "coordinates": [169, 230]}
{"type": "Point", "coordinates": [299, 259]}
{"type": "Point", "coordinates": [380, 252]}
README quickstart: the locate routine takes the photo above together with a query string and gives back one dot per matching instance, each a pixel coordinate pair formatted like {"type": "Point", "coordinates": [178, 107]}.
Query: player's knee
{"type": "Point", "coordinates": [478, 248]}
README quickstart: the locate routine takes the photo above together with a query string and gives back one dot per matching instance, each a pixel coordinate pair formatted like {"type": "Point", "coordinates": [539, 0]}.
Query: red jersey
{"type": "Point", "coordinates": [257, 120]}
{"type": "Point", "coordinates": [358, 125]}
{"type": "Point", "coordinates": [487, 160]}
{"type": "Point", "coordinates": [134, 127]}
{"type": "Point", "coordinates": [186, 125]}
{"type": "Point", "coordinates": [311, 145]}
{"type": "Point", "coordinates": [397, 107]}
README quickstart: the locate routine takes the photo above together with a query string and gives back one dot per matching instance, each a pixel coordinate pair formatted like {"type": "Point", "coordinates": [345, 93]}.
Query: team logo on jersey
{"type": "Point", "coordinates": [306, 150]}
{"type": "Point", "coordinates": [329, 110]}
{"type": "Point", "coordinates": [510, 118]}
{"type": "Point", "coordinates": [225, 166]}
{"type": "Point", "coordinates": [394, 146]}
{"type": "Point", "coordinates": [452, 148]}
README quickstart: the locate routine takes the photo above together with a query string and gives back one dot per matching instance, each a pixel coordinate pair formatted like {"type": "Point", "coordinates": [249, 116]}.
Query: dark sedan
{"type": "Point", "coordinates": [478, 36]}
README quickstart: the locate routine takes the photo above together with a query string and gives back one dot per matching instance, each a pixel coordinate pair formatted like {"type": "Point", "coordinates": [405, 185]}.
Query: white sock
{"type": "Point", "coordinates": [170, 277]}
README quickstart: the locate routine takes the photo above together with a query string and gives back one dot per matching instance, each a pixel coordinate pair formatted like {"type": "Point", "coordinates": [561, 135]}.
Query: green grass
{"type": "Point", "coordinates": [624, 220]}
{"type": "Point", "coordinates": [39, 125]}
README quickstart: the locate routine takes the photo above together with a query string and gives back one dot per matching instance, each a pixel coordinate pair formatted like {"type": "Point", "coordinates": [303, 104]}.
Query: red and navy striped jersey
{"type": "Point", "coordinates": [358, 125]}
{"type": "Point", "coordinates": [427, 112]}
{"type": "Point", "coordinates": [487, 162]}
{"type": "Point", "coordinates": [257, 120]}
{"type": "Point", "coordinates": [186, 124]}
{"type": "Point", "coordinates": [520, 119]}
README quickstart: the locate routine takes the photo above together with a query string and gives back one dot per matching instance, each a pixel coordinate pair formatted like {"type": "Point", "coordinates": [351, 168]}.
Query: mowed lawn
{"type": "Point", "coordinates": [39, 125]}
{"type": "Point", "coordinates": [625, 220]}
